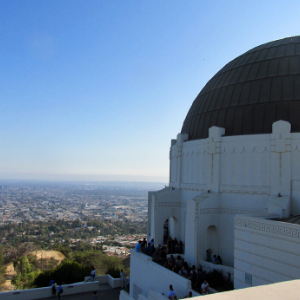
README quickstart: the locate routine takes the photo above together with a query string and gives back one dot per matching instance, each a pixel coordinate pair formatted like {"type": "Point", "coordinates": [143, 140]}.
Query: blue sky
{"type": "Point", "coordinates": [95, 90]}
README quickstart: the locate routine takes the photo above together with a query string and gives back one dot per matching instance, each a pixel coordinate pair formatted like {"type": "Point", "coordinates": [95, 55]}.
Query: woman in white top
{"type": "Point", "coordinates": [204, 288]}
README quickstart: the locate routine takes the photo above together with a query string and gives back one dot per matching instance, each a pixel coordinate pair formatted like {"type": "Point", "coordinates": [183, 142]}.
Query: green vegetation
{"type": "Point", "coordinates": [32, 271]}
{"type": "Point", "coordinates": [2, 268]}
{"type": "Point", "coordinates": [78, 265]}
{"type": "Point", "coordinates": [26, 272]}
{"type": "Point", "coordinates": [67, 272]}
{"type": "Point", "coordinates": [73, 269]}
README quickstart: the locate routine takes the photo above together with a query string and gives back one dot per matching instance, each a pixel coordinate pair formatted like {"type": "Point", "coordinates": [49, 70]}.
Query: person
{"type": "Point", "coordinates": [59, 292]}
{"type": "Point", "coordinates": [95, 296]}
{"type": "Point", "coordinates": [200, 278]}
{"type": "Point", "coordinates": [175, 268]}
{"type": "Point", "coordinates": [172, 259]}
{"type": "Point", "coordinates": [156, 254]}
{"type": "Point", "coordinates": [190, 295]}
{"type": "Point", "coordinates": [183, 272]}
{"type": "Point", "coordinates": [215, 260]}
{"type": "Point", "coordinates": [152, 243]}
{"type": "Point", "coordinates": [149, 250]}
{"type": "Point", "coordinates": [204, 288]}
{"type": "Point", "coordinates": [166, 231]}
{"type": "Point", "coordinates": [144, 243]}
{"type": "Point", "coordinates": [123, 278]}
{"type": "Point", "coordinates": [172, 294]}
{"type": "Point", "coordinates": [180, 245]}
{"type": "Point", "coordinates": [208, 255]}
{"type": "Point", "coordinates": [219, 259]}
{"type": "Point", "coordinates": [169, 264]}
{"type": "Point", "coordinates": [186, 266]}
{"type": "Point", "coordinates": [193, 276]}
{"type": "Point", "coordinates": [52, 284]}
{"type": "Point", "coordinates": [179, 261]}
{"type": "Point", "coordinates": [163, 254]}
{"type": "Point", "coordinates": [138, 246]}
{"type": "Point", "coordinates": [93, 274]}
{"type": "Point", "coordinates": [176, 248]}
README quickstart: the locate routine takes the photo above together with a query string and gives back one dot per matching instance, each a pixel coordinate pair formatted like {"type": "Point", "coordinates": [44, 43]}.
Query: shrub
{"type": "Point", "coordinates": [114, 272]}
{"type": "Point", "coordinates": [66, 273]}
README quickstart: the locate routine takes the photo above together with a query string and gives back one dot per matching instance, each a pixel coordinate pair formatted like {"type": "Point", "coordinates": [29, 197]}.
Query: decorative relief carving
{"type": "Point", "coordinates": [281, 145]}
{"type": "Point", "coordinates": [244, 148]}
{"type": "Point", "coordinates": [278, 229]}
{"type": "Point", "coordinates": [191, 151]}
{"type": "Point", "coordinates": [231, 211]}
{"type": "Point", "coordinates": [244, 189]}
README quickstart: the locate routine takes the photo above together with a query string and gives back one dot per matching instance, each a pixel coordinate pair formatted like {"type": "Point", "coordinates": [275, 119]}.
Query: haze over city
{"type": "Point", "coordinates": [96, 90]}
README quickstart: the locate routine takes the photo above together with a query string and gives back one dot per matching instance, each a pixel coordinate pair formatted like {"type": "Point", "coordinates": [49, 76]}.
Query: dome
{"type": "Point", "coordinates": [250, 93]}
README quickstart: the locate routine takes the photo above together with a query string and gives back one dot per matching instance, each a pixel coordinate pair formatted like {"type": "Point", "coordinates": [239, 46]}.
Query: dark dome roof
{"type": "Point", "coordinates": [292, 219]}
{"type": "Point", "coordinates": [250, 93]}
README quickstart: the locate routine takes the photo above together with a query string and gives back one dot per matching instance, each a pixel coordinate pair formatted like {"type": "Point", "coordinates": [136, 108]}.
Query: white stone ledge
{"type": "Point", "coordinates": [46, 292]}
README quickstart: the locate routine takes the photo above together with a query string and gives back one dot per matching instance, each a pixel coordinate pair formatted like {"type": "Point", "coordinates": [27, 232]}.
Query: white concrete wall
{"type": "Point", "coordinates": [247, 172]}
{"type": "Point", "coordinates": [124, 296]}
{"type": "Point", "coordinates": [40, 293]}
{"type": "Point", "coordinates": [278, 291]}
{"type": "Point", "coordinates": [102, 279]}
{"type": "Point", "coordinates": [146, 274]}
{"type": "Point", "coordinates": [266, 250]}
{"type": "Point", "coordinates": [295, 150]}
{"type": "Point", "coordinates": [237, 163]}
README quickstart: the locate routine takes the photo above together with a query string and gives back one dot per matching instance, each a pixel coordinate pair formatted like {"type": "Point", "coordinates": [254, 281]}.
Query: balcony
{"type": "Point", "coordinates": [146, 275]}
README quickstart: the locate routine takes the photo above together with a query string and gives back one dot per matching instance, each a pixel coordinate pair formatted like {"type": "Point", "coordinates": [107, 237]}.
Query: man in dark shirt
{"type": "Point", "coordinates": [200, 278]}
{"type": "Point", "coordinates": [149, 250]}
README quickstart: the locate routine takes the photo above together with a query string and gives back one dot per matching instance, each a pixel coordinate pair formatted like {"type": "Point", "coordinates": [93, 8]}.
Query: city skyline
{"type": "Point", "coordinates": [96, 91]}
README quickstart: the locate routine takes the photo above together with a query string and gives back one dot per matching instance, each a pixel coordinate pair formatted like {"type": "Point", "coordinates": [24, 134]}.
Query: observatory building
{"type": "Point", "coordinates": [234, 182]}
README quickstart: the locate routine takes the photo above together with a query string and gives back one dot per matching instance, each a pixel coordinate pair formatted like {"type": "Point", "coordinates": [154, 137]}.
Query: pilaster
{"type": "Point", "coordinates": [181, 137]}
{"type": "Point", "coordinates": [281, 158]}
{"type": "Point", "coordinates": [213, 152]}
{"type": "Point", "coordinates": [191, 232]}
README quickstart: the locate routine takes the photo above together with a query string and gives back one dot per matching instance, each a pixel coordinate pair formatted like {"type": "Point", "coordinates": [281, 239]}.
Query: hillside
{"type": "Point", "coordinates": [40, 254]}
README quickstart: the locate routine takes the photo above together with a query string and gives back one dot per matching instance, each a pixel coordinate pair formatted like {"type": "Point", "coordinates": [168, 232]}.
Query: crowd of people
{"type": "Point", "coordinates": [204, 291]}
{"type": "Point", "coordinates": [181, 267]}
{"type": "Point", "coordinates": [177, 265]}
{"type": "Point", "coordinates": [160, 252]}
{"type": "Point", "coordinates": [56, 288]}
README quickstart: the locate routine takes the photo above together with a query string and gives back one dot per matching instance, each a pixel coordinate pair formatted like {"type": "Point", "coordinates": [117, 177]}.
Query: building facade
{"type": "Point", "coordinates": [234, 172]}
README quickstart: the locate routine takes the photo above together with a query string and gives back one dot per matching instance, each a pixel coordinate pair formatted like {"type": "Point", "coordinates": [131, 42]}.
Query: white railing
{"type": "Point", "coordinates": [146, 274]}
{"type": "Point", "coordinates": [46, 292]}
{"type": "Point", "coordinates": [107, 279]}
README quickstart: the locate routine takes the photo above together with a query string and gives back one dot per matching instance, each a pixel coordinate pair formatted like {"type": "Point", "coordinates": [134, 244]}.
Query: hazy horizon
{"type": "Point", "coordinates": [84, 178]}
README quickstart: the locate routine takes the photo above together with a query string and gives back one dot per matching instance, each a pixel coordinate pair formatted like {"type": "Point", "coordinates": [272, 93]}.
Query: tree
{"type": "Point", "coordinates": [67, 272]}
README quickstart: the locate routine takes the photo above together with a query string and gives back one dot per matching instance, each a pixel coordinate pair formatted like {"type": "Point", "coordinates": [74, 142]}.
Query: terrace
{"type": "Point", "coordinates": [107, 287]}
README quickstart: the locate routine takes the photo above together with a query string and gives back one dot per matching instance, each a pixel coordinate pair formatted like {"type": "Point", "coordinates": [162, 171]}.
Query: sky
{"type": "Point", "coordinates": [96, 90]}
